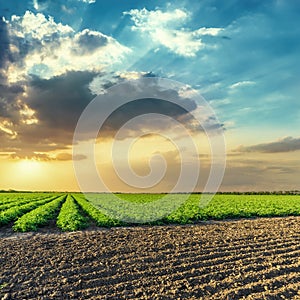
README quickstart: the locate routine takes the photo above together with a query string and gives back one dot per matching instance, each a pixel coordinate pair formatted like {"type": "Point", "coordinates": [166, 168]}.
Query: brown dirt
{"type": "Point", "coordinates": [247, 259]}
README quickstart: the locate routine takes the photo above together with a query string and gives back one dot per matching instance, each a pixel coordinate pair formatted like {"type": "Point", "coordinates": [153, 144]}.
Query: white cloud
{"type": "Point", "coordinates": [6, 127]}
{"type": "Point", "coordinates": [39, 6]}
{"type": "Point", "coordinates": [37, 26]}
{"type": "Point", "coordinates": [53, 48]}
{"type": "Point", "coordinates": [131, 75]}
{"type": "Point", "coordinates": [165, 28]}
{"type": "Point", "coordinates": [88, 1]}
{"type": "Point", "coordinates": [35, 4]}
{"type": "Point", "coordinates": [242, 84]}
{"type": "Point", "coordinates": [208, 31]}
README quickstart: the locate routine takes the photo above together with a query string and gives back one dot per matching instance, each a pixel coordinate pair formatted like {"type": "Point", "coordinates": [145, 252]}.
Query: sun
{"type": "Point", "coordinates": [29, 166]}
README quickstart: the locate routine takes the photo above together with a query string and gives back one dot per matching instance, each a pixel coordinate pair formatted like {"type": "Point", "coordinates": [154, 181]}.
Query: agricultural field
{"type": "Point", "coordinates": [241, 259]}
{"type": "Point", "coordinates": [71, 212]}
{"type": "Point", "coordinates": [192, 253]}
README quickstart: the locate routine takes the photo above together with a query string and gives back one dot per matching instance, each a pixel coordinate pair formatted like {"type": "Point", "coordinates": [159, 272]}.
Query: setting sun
{"type": "Point", "coordinates": [29, 166]}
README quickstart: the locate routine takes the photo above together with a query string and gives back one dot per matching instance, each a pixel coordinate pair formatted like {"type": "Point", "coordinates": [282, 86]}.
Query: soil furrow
{"type": "Point", "coordinates": [246, 259]}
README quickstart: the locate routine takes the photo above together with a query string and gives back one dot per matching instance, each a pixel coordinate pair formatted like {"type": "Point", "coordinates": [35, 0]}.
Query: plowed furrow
{"type": "Point", "coordinates": [155, 262]}
{"type": "Point", "coordinates": [248, 259]}
{"type": "Point", "coordinates": [195, 276]}
{"type": "Point", "coordinates": [272, 282]}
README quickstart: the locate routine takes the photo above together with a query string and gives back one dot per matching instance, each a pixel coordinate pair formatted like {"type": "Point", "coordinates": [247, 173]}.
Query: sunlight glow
{"type": "Point", "coordinates": [29, 166]}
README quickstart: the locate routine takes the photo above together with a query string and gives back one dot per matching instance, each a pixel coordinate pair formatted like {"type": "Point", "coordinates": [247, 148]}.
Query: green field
{"type": "Point", "coordinates": [29, 211]}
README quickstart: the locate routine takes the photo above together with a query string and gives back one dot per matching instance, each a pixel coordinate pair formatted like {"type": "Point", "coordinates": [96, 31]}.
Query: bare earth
{"type": "Point", "coordinates": [246, 259]}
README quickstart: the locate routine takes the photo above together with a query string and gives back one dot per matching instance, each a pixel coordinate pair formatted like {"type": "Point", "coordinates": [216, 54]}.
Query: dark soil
{"type": "Point", "coordinates": [246, 259]}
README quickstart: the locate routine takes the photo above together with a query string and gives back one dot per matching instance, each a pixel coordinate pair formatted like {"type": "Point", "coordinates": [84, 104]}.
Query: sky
{"type": "Point", "coordinates": [241, 56]}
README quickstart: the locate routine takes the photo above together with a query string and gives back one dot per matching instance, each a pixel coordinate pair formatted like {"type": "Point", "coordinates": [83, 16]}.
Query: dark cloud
{"type": "Point", "coordinates": [287, 144]}
{"type": "Point", "coordinates": [5, 54]}
{"type": "Point", "coordinates": [8, 101]}
{"type": "Point", "coordinates": [126, 101]}
{"type": "Point", "coordinates": [4, 38]}
{"type": "Point", "coordinates": [144, 106]}
{"type": "Point", "coordinates": [59, 101]}
{"type": "Point", "coordinates": [89, 41]}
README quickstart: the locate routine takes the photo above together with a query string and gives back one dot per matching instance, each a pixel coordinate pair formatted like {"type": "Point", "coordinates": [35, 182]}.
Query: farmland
{"type": "Point", "coordinates": [218, 255]}
{"type": "Point", "coordinates": [70, 212]}
{"type": "Point", "coordinates": [242, 259]}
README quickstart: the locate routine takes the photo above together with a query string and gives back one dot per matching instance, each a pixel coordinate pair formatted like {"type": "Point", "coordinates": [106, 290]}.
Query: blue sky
{"type": "Point", "coordinates": [242, 56]}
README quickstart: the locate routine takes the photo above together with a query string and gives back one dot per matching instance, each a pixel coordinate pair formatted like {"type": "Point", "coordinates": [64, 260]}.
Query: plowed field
{"type": "Point", "coordinates": [245, 259]}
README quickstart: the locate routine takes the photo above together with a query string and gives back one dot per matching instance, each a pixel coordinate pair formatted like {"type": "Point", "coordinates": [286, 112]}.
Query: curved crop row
{"type": "Point", "coordinates": [100, 218]}
{"type": "Point", "coordinates": [69, 218]}
{"type": "Point", "coordinates": [14, 212]}
{"type": "Point", "coordinates": [39, 216]}
{"type": "Point", "coordinates": [20, 196]}
{"type": "Point", "coordinates": [20, 201]}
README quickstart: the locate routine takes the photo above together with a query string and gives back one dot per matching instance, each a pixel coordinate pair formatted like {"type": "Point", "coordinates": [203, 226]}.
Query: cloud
{"type": "Point", "coordinates": [183, 109]}
{"type": "Point", "coordinates": [59, 101]}
{"type": "Point", "coordinates": [8, 101]}
{"type": "Point", "coordinates": [142, 107]}
{"type": "Point", "coordinates": [45, 72]}
{"type": "Point", "coordinates": [48, 157]}
{"type": "Point", "coordinates": [89, 41]}
{"type": "Point", "coordinates": [166, 28]}
{"type": "Point", "coordinates": [4, 49]}
{"type": "Point", "coordinates": [252, 174]}
{"type": "Point", "coordinates": [257, 67]}
{"type": "Point", "coordinates": [67, 156]}
{"type": "Point", "coordinates": [242, 84]}
{"type": "Point", "coordinates": [44, 118]}
{"type": "Point", "coordinates": [46, 48]}
{"type": "Point", "coordinates": [6, 128]}
{"type": "Point", "coordinates": [40, 4]}
{"type": "Point", "coordinates": [286, 144]}
{"type": "Point", "coordinates": [88, 1]}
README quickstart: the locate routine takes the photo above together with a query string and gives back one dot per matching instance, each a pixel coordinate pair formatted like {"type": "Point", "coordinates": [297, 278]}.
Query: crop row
{"type": "Point", "coordinates": [74, 212]}
{"type": "Point", "coordinates": [69, 210]}
{"type": "Point", "coordinates": [100, 218]}
{"type": "Point", "coordinates": [39, 216]}
{"type": "Point", "coordinates": [14, 198]}
{"type": "Point", "coordinates": [190, 210]}
{"type": "Point", "coordinates": [14, 212]}
{"type": "Point", "coordinates": [20, 201]}
{"type": "Point", "coordinates": [69, 217]}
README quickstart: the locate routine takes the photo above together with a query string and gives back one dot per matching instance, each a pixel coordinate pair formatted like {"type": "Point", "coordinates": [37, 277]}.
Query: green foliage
{"type": "Point", "coordinates": [14, 212]}
{"type": "Point", "coordinates": [69, 218]}
{"type": "Point", "coordinates": [221, 207]}
{"type": "Point", "coordinates": [20, 201]}
{"type": "Point", "coordinates": [236, 206]}
{"type": "Point", "coordinates": [6, 199]}
{"type": "Point", "coordinates": [100, 218]}
{"type": "Point", "coordinates": [39, 216]}
{"type": "Point", "coordinates": [34, 210]}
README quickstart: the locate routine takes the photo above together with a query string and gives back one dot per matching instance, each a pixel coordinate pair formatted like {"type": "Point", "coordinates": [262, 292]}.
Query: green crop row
{"type": "Point", "coordinates": [14, 212]}
{"type": "Point", "coordinates": [39, 216]}
{"type": "Point", "coordinates": [9, 198]}
{"type": "Point", "coordinates": [69, 218]}
{"type": "Point", "coordinates": [236, 206]}
{"type": "Point", "coordinates": [220, 207]}
{"type": "Point", "coordinates": [20, 201]}
{"type": "Point", "coordinates": [100, 218]}
{"type": "Point", "coordinates": [106, 211]}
